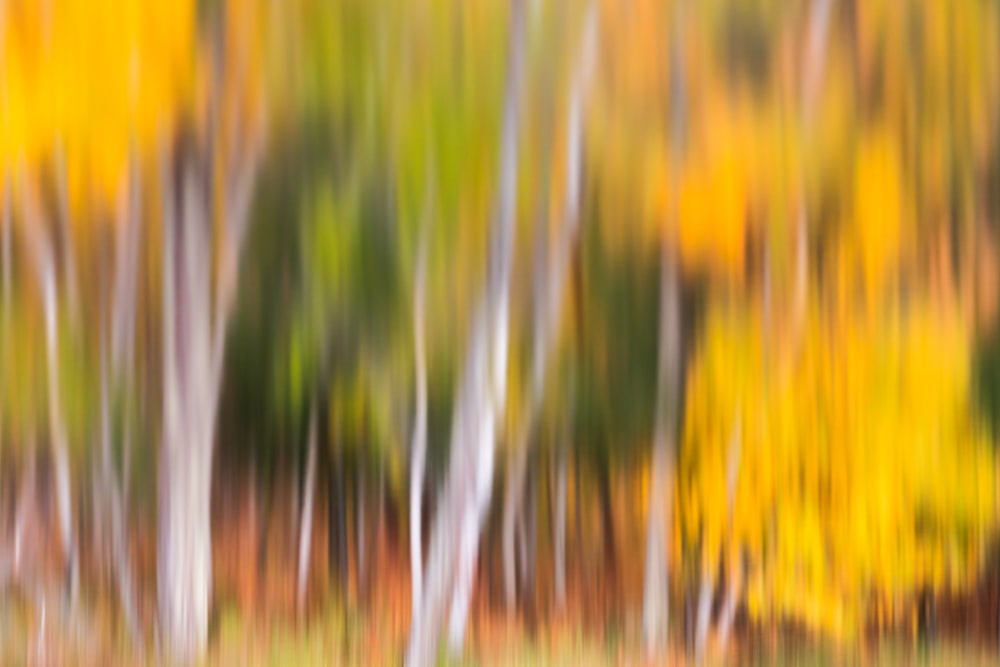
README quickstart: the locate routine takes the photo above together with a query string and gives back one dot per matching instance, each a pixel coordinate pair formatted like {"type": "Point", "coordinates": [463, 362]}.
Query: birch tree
{"type": "Point", "coordinates": [480, 400]}
{"type": "Point", "coordinates": [200, 280]}
{"type": "Point", "coordinates": [550, 287]}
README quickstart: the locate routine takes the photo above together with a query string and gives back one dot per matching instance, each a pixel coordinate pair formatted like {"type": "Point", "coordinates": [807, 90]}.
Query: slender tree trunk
{"type": "Point", "coordinates": [332, 536]}
{"type": "Point", "coordinates": [116, 514]}
{"type": "Point", "coordinates": [734, 585]}
{"type": "Point", "coordinates": [559, 527]}
{"type": "Point", "coordinates": [98, 518]}
{"type": "Point", "coordinates": [734, 571]}
{"type": "Point", "coordinates": [607, 516]}
{"type": "Point", "coordinates": [814, 65]}
{"type": "Point", "coordinates": [306, 526]}
{"type": "Point", "coordinates": [266, 491]}
{"type": "Point", "coordinates": [381, 537]}
{"type": "Point", "coordinates": [5, 251]}
{"type": "Point", "coordinates": [513, 488]}
{"type": "Point", "coordinates": [704, 617]}
{"type": "Point", "coordinates": [25, 502]}
{"type": "Point", "coordinates": [578, 501]}
{"type": "Point", "coordinates": [531, 530]}
{"type": "Point", "coordinates": [340, 511]}
{"type": "Point", "coordinates": [656, 594]}
{"type": "Point", "coordinates": [121, 329]}
{"type": "Point", "coordinates": [418, 448]}
{"type": "Point", "coordinates": [360, 530]}
{"type": "Point", "coordinates": [521, 542]}
{"type": "Point", "coordinates": [295, 506]}
{"type": "Point", "coordinates": [480, 404]}
{"type": "Point", "coordinates": [67, 246]}
{"type": "Point", "coordinates": [43, 254]}
{"type": "Point", "coordinates": [549, 288]}
{"type": "Point", "coordinates": [5, 259]}
{"type": "Point", "coordinates": [60, 454]}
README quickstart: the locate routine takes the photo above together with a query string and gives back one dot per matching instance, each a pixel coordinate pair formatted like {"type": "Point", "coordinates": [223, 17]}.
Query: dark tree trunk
{"type": "Point", "coordinates": [607, 516]}
{"type": "Point", "coordinates": [578, 473]}
{"type": "Point", "coordinates": [360, 531]}
{"type": "Point", "coordinates": [558, 487]}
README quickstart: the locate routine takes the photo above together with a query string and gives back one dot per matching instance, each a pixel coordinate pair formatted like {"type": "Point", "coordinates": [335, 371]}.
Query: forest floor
{"type": "Point", "coordinates": [344, 637]}
{"type": "Point", "coordinates": [255, 621]}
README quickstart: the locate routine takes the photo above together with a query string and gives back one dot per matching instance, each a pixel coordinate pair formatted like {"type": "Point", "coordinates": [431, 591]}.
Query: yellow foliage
{"type": "Point", "coordinates": [878, 203]}
{"type": "Point", "coordinates": [94, 80]}
{"type": "Point", "coordinates": [863, 474]}
{"type": "Point", "coordinates": [712, 210]}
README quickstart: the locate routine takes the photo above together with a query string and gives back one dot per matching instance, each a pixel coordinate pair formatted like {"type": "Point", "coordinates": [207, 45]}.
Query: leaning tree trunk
{"type": "Point", "coordinates": [40, 248]}
{"type": "Point", "coordinates": [479, 406]}
{"type": "Point", "coordinates": [550, 279]}
{"type": "Point", "coordinates": [306, 518]}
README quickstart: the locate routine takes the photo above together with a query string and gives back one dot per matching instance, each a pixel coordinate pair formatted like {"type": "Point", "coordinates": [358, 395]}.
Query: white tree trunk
{"type": "Point", "coordinates": [306, 526]}
{"type": "Point", "coordinates": [197, 303]}
{"type": "Point", "coordinates": [550, 279]}
{"type": "Point", "coordinates": [656, 603]}
{"type": "Point", "coordinates": [418, 448]}
{"type": "Point", "coordinates": [734, 573]}
{"type": "Point", "coordinates": [24, 511]}
{"type": "Point", "coordinates": [60, 448]}
{"type": "Point", "coordinates": [734, 586]}
{"type": "Point", "coordinates": [119, 336]}
{"type": "Point", "coordinates": [479, 406]}
{"type": "Point", "coordinates": [43, 255]}
{"type": "Point", "coordinates": [184, 570]}
{"type": "Point", "coordinates": [704, 617]}
{"type": "Point", "coordinates": [115, 513]}
{"type": "Point", "coordinates": [655, 596]}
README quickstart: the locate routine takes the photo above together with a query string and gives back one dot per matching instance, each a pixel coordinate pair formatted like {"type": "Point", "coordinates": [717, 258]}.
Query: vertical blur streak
{"type": "Point", "coordinates": [418, 448]}
{"type": "Point", "coordinates": [306, 521]}
{"type": "Point", "coordinates": [656, 602]}
{"type": "Point", "coordinates": [480, 400]}
{"type": "Point", "coordinates": [5, 326]}
{"type": "Point", "coordinates": [42, 254]}
{"type": "Point", "coordinates": [549, 285]}
{"type": "Point", "coordinates": [5, 257]}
